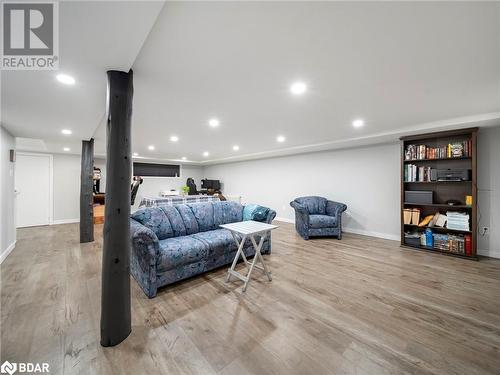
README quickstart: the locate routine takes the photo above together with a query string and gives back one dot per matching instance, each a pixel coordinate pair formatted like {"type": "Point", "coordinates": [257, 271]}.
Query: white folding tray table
{"type": "Point", "coordinates": [248, 229]}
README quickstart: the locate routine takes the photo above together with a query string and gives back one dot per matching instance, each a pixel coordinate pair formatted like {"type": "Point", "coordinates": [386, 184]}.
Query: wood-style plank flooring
{"type": "Point", "coordinates": [357, 306]}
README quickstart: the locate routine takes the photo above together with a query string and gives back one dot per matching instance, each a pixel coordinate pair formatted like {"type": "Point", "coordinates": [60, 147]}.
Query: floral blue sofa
{"type": "Point", "coordinates": [317, 216]}
{"type": "Point", "coordinates": [172, 243]}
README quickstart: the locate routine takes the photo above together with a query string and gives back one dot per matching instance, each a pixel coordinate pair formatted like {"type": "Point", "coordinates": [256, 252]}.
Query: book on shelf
{"type": "Point", "coordinates": [450, 242]}
{"type": "Point", "coordinates": [414, 173]}
{"type": "Point", "coordinates": [448, 151]}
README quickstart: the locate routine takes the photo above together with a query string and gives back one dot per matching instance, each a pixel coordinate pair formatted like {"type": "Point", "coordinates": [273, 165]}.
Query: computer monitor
{"type": "Point", "coordinates": [210, 184]}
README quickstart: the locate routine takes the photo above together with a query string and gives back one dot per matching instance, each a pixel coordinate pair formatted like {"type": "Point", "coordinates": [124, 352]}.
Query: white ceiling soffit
{"type": "Point", "coordinates": [394, 64]}
{"type": "Point", "coordinates": [94, 36]}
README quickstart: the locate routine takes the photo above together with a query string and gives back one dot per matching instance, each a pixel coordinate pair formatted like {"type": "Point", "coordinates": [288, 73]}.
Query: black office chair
{"type": "Point", "coordinates": [134, 187]}
{"type": "Point", "coordinates": [192, 186]}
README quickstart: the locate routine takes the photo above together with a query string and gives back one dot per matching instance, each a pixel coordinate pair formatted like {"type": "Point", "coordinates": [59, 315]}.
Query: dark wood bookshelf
{"type": "Point", "coordinates": [443, 191]}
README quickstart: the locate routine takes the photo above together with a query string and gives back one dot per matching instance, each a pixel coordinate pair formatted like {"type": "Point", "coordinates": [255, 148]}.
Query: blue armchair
{"type": "Point", "coordinates": [317, 216]}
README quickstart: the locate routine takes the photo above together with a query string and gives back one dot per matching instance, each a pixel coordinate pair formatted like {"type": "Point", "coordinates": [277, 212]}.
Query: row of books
{"type": "Point", "coordinates": [456, 244]}
{"type": "Point", "coordinates": [415, 173]}
{"type": "Point", "coordinates": [451, 150]}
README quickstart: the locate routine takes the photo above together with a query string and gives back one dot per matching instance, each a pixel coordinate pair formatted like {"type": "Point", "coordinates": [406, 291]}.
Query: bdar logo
{"type": "Point", "coordinates": [8, 368]}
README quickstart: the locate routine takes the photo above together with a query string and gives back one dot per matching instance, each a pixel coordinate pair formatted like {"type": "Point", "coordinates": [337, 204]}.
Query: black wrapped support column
{"type": "Point", "coordinates": [115, 297]}
{"type": "Point", "coordinates": [86, 192]}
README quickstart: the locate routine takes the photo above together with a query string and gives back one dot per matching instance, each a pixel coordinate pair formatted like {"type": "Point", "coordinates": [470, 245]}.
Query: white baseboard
{"type": "Point", "coordinates": [386, 236]}
{"type": "Point", "coordinates": [489, 253]}
{"type": "Point", "coordinates": [65, 221]}
{"type": "Point", "coordinates": [284, 220]}
{"type": "Point", "coordinates": [7, 251]}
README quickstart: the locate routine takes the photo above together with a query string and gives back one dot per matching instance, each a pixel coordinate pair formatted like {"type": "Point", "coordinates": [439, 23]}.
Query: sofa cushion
{"type": "Point", "coordinates": [204, 214]}
{"type": "Point", "coordinates": [175, 219]}
{"type": "Point", "coordinates": [231, 212]}
{"type": "Point", "coordinates": [219, 241]}
{"type": "Point", "coordinates": [322, 221]}
{"type": "Point", "coordinates": [248, 211]}
{"type": "Point", "coordinates": [179, 251]}
{"type": "Point", "coordinates": [218, 214]}
{"type": "Point", "coordinates": [155, 219]}
{"type": "Point", "coordinates": [188, 218]}
{"type": "Point", "coordinates": [314, 205]}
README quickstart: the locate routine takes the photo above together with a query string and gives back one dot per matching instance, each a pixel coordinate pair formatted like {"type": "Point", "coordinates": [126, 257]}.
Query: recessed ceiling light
{"type": "Point", "coordinates": [184, 158]}
{"type": "Point", "coordinates": [66, 149]}
{"type": "Point", "coordinates": [205, 154]}
{"type": "Point", "coordinates": [174, 138]}
{"type": "Point", "coordinates": [135, 154]}
{"type": "Point", "coordinates": [66, 132]}
{"type": "Point", "coordinates": [358, 123]}
{"type": "Point", "coordinates": [66, 79]}
{"type": "Point", "coordinates": [214, 122]}
{"type": "Point", "coordinates": [298, 88]}
{"type": "Point", "coordinates": [151, 147]}
{"type": "Point", "coordinates": [236, 147]}
{"type": "Point", "coordinates": [280, 138]}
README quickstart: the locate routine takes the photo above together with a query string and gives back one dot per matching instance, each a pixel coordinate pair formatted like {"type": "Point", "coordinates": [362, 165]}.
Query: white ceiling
{"type": "Point", "coordinates": [93, 38]}
{"type": "Point", "coordinates": [401, 66]}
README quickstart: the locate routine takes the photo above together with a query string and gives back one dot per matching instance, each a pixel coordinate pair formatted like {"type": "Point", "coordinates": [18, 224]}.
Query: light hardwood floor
{"type": "Point", "coordinates": [357, 306]}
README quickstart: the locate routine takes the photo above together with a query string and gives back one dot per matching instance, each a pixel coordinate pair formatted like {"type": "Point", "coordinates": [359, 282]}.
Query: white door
{"type": "Point", "coordinates": [33, 187]}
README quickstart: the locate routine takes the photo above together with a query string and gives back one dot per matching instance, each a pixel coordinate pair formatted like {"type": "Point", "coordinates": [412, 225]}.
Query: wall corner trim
{"type": "Point", "coordinates": [284, 220]}
{"type": "Point", "coordinates": [65, 221]}
{"type": "Point", "coordinates": [5, 253]}
{"type": "Point", "coordinates": [489, 253]}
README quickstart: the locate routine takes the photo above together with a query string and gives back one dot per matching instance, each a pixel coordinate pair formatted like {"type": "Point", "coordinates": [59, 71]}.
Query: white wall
{"type": "Point", "coordinates": [66, 182]}
{"type": "Point", "coordinates": [366, 179]}
{"type": "Point", "coordinates": [66, 185]}
{"type": "Point", "coordinates": [7, 198]}
{"type": "Point", "coordinates": [152, 186]}
{"type": "Point", "coordinates": [488, 185]}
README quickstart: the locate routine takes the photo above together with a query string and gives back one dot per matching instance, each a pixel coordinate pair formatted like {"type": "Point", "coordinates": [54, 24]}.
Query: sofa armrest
{"type": "Point", "coordinates": [144, 255]}
{"type": "Point", "coordinates": [270, 216]}
{"type": "Point", "coordinates": [298, 207]}
{"type": "Point", "coordinates": [335, 208]}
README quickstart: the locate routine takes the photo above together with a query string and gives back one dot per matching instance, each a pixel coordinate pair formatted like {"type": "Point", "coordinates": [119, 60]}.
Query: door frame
{"type": "Point", "coordinates": [51, 183]}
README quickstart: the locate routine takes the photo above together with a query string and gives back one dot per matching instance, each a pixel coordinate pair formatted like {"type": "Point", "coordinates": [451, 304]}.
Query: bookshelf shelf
{"type": "Point", "coordinates": [433, 250]}
{"type": "Point", "coordinates": [437, 159]}
{"type": "Point", "coordinates": [443, 205]}
{"type": "Point", "coordinates": [437, 182]}
{"type": "Point", "coordinates": [439, 229]}
{"type": "Point", "coordinates": [418, 159]}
